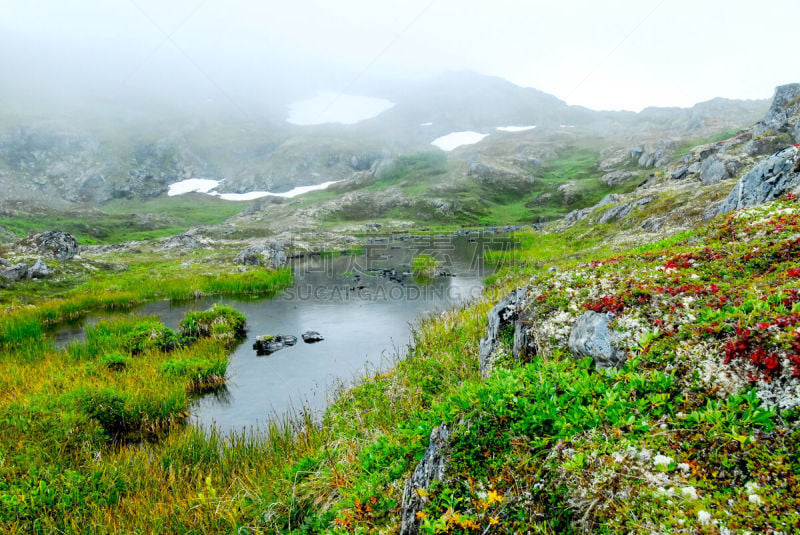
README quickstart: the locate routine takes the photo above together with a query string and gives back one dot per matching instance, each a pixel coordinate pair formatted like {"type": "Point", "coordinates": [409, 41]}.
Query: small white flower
{"type": "Point", "coordinates": [704, 517]}
{"type": "Point", "coordinates": [685, 468]}
{"type": "Point", "coordinates": [662, 460]}
{"type": "Point", "coordinates": [751, 486]}
{"type": "Point", "coordinates": [689, 492]}
{"type": "Point", "coordinates": [755, 498]}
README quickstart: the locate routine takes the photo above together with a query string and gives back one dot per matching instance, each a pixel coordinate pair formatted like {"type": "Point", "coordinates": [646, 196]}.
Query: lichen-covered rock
{"type": "Point", "coordinates": [14, 272]}
{"type": "Point", "coordinates": [502, 314]}
{"type": "Point", "coordinates": [591, 337]}
{"type": "Point", "coordinates": [713, 170]}
{"type": "Point", "coordinates": [771, 178]}
{"type": "Point", "coordinates": [39, 270]}
{"type": "Point", "coordinates": [271, 255]}
{"type": "Point", "coordinates": [431, 468]}
{"type": "Point", "coordinates": [56, 244]}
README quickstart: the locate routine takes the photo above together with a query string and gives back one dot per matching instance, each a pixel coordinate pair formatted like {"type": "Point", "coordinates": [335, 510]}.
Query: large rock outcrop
{"type": "Point", "coordinates": [431, 468]}
{"type": "Point", "coordinates": [784, 113]}
{"type": "Point", "coordinates": [769, 179]}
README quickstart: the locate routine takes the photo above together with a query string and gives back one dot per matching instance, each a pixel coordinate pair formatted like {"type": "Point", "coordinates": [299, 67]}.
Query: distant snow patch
{"type": "Point", "coordinates": [196, 185]}
{"type": "Point", "coordinates": [515, 128]}
{"type": "Point", "coordinates": [456, 139]}
{"type": "Point", "coordinates": [207, 186]}
{"type": "Point", "coordinates": [329, 107]}
{"type": "Point", "coordinates": [566, 126]}
{"type": "Point", "coordinates": [286, 194]}
{"type": "Point", "coordinates": [425, 124]}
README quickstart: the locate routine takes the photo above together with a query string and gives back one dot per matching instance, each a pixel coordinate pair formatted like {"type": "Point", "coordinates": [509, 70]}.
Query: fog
{"type": "Point", "coordinates": [250, 58]}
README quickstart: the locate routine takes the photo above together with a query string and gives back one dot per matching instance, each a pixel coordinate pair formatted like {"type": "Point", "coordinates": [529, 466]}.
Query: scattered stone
{"type": "Point", "coordinates": [591, 337]}
{"type": "Point", "coordinates": [311, 337]}
{"type": "Point", "coordinates": [39, 270]}
{"type": "Point", "coordinates": [431, 468]}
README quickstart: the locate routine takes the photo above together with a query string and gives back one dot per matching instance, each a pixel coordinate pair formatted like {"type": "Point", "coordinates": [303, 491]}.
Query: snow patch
{"type": "Point", "coordinates": [454, 140]}
{"type": "Point", "coordinates": [294, 192]}
{"type": "Point", "coordinates": [515, 128]}
{"type": "Point", "coordinates": [425, 124]}
{"type": "Point", "coordinates": [329, 107]}
{"type": "Point", "coordinates": [196, 185]}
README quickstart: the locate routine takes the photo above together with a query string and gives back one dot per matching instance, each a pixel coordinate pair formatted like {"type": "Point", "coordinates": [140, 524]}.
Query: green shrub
{"type": "Point", "coordinates": [115, 361]}
{"type": "Point", "coordinates": [219, 322]}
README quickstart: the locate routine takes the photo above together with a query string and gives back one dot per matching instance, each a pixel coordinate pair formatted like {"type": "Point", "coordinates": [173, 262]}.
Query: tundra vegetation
{"type": "Point", "coordinates": [695, 433]}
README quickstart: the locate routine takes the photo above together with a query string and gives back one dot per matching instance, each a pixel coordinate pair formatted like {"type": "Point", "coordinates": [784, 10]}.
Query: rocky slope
{"type": "Point", "coordinates": [100, 157]}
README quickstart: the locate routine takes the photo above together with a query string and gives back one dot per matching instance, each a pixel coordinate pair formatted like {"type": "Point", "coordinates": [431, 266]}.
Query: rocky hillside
{"type": "Point", "coordinates": [108, 154]}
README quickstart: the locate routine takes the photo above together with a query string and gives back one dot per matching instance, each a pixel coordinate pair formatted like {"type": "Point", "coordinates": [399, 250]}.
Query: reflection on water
{"type": "Point", "coordinates": [362, 305]}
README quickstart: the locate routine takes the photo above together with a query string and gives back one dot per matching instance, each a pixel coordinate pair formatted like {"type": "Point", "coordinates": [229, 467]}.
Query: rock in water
{"type": "Point", "coordinates": [268, 344]}
{"type": "Point", "coordinates": [431, 468]}
{"type": "Point", "coordinates": [39, 270]}
{"type": "Point", "coordinates": [591, 337]}
{"type": "Point", "coordinates": [54, 243]}
{"type": "Point", "coordinates": [769, 179]}
{"type": "Point", "coordinates": [311, 337]}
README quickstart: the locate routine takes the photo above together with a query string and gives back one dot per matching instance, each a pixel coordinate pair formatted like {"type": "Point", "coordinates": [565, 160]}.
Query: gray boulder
{"type": "Point", "coordinates": [680, 172]}
{"type": "Point", "coordinates": [571, 191]}
{"type": "Point", "coordinates": [53, 243]}
{"type": "Point", "coordinates": [39, 270]}
{"type": "Point", "coordinates": [769, 179]}
{"type": "Point", "coordinates": [713, 170]}
{"type": "Point", "coordinates": [181, 242]}
{"type": "Point", "coordinates": [14, 272]}
{"type": "Point", "coordinates": [591, 337]}
{"type": "Point", "coordinates": [271, 255]}
{"type": "Point", "coordinates": [431, 468]}
{"type": "Point", "coordinates": [615, 178]}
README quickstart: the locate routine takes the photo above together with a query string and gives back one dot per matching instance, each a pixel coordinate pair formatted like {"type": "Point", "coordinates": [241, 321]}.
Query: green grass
{"type": "Point", "coordinates": [120, 220]}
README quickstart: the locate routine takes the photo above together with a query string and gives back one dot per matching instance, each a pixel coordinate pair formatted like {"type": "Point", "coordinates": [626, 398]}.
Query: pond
{"type": "Point", "coordinates": [363, 305]}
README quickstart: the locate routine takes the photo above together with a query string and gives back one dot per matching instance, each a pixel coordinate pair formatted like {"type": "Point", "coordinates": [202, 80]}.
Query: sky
{"type": "Point", "coordinates": [603, 55]}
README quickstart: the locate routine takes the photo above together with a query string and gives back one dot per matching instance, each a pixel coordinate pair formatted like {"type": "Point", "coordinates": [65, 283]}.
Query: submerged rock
{"type": "Point", "coordinates": [591, 337]}
{"type": "Point", "coordinates": [311, 337]}
{"type": "Point", "coordinates": [431, 468]}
